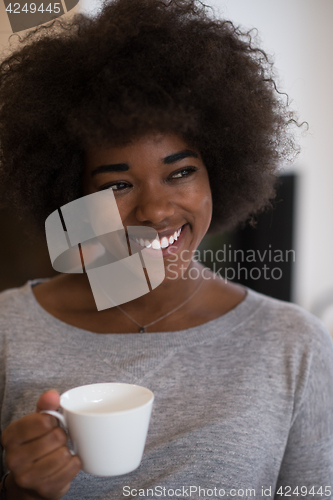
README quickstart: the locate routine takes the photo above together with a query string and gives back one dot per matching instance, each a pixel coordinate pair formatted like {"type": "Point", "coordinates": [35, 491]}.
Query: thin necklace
{"type": "Point", "coordinates": [144, 327]}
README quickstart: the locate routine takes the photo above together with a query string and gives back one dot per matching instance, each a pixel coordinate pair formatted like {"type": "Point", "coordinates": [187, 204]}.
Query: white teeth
{"type": "Point", "coordinates": [156, 244]}
{"type": "Point", "coordinates": [164, 242]}
{"type": "Point", "coordinates": [143, 243]}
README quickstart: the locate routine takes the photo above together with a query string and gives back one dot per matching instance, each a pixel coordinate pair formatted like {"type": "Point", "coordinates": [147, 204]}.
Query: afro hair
{"type": "Point", "coordinates": [135, 67]}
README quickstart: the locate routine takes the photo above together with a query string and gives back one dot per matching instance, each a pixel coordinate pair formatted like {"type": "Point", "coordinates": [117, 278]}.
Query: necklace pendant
{"type": "Point", "coordinates": [142, 330]}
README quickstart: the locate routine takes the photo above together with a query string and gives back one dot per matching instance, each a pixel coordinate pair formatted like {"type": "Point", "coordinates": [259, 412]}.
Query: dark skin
{"type": "Point", "coordinates": [149, 193]}
{"type": "Point", "coordinates": [37, 455]}
{"type": "Point", "coordinates": [161, 196]}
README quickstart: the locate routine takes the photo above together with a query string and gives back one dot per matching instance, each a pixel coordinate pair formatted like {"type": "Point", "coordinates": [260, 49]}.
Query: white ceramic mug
{"type": "Point", "coordinates": [107, 424]}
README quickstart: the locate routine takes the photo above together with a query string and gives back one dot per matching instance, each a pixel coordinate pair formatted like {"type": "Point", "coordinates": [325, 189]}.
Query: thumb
{"type": "Point", "coordinates": [49, 400]}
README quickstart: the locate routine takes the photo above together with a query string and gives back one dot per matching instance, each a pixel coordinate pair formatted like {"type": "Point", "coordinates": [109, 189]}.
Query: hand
{"type": "Point", "coordinates": [37, 455]}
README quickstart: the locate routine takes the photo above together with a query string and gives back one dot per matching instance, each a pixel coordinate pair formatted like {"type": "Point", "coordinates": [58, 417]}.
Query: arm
{"type": "Point", "coordinates": [307, 466]}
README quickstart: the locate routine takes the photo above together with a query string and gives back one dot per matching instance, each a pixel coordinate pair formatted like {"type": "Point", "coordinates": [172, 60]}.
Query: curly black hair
{"type": "Point", "coordinates": [135, 67]}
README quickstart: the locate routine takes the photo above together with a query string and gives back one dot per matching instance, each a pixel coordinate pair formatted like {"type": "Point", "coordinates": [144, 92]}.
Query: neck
{"type": "Point", "coordinates": [167, 295]}
{"type": "Point", "coordinates": [158, 301]}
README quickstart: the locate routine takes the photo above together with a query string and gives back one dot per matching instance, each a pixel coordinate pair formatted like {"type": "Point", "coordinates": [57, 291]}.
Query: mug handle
{"type": "Point", "coordinates": [57, 415]}
{"type": "Point", "coordinates": [61, 419]}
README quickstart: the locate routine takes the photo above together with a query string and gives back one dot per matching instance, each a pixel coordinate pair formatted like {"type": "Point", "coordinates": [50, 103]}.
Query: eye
{"type": "Point", "coordinates": [184, 172]}
{"type": "Point", "coordinates": [122, 186]}
{"type": "Point", "coordinates": [116, 186]}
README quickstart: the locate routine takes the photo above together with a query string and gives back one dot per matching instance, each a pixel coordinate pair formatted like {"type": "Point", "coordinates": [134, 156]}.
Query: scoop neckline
{"type": "Point", "coordinates": [248, 302]}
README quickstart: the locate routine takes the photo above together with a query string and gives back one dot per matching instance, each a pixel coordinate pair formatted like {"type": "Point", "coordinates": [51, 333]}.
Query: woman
{"type": "Point", "coordinates": [177, 113]}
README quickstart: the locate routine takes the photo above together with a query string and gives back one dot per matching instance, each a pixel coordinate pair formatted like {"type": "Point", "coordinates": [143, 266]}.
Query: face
{"type": "Point", "coordinates": [159, 181]}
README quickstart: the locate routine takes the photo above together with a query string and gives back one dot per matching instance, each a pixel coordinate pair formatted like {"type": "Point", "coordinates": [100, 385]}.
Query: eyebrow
{"type": "Point", "coordinates": [179, 156]}
{"type": "Point", "coordinates": [123, 167]}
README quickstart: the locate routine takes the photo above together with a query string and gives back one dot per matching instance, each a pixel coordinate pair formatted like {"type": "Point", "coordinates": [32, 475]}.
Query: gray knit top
{"type": "Point", "coordinates": [243, 404]}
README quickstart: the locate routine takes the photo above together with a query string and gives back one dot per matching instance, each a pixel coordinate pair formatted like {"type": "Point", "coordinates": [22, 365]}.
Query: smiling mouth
{"type": "Point", "coordinates": [157, 243]}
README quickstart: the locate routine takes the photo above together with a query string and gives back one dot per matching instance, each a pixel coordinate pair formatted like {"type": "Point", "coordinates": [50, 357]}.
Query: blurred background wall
{"type": "Point", "coordinates": [297, 33]}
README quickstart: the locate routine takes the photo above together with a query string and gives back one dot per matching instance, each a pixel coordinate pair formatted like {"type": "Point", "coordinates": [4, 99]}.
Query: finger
{"type": "Point", "coordinates": [50, 474]}
{"type": "Point", "coordinates": [17, 458]}
{"type": "Point", "coordinates": [49, 465]}
{"type": "Point", "coordinates": [60, 481]}
{"type": "Point", "coordinates": [49, 400]}
{"type": "Point", "coordinates": [28, 428]}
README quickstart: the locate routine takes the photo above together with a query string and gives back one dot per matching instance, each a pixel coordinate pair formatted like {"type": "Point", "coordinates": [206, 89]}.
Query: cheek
{"type": "Point", "coordinates": [125, 208]}
{"type": "Point", "coordinates": [203, 203]}
{"type": "Point", "coordinates": [206, 213]}
{"type": "Point", "coordinates": [201, 199]}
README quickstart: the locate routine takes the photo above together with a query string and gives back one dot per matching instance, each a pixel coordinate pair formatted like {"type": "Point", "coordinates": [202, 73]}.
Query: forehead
{"type": "Point", "coordinates": [152, 147]}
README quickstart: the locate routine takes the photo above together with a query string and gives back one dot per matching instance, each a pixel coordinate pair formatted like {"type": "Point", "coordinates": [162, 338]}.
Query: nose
{"type": "Point", "coordinates": [154, 206]}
